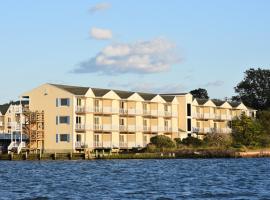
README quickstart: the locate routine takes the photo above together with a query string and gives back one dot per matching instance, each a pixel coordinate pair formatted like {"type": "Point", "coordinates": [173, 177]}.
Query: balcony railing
{"type": "Point", "coordinates": [1, 124]}
{"type": "Point", "coordinates": [80, 145]}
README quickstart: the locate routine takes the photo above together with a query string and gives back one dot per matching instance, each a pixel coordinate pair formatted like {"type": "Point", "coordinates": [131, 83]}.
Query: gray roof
{"type": "Point", "coordinates": [175, 94]}
{"type": "Point", "coordinates": [147, 96]}
{"type": "Point", "coordinates": [218, 102]}
{"type": "Point", "coordinates": [98, 92]}
{"type": "Point", "coordinates": [201, 101]}
{"type": "Point", "coordinates": [168, 98]}
{"type": "Point", "coordinates": [4, 108]}
{"type": "Point", "coordinates": [77, 90]}
{"type": "Point", "coordinates": [234, 104]}
{"type": "Point", "coordinates": [123, 94]}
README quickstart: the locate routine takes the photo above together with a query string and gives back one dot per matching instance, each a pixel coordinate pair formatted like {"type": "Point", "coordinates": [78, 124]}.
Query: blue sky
{"type": "Point", "coordinates": [159, 46]}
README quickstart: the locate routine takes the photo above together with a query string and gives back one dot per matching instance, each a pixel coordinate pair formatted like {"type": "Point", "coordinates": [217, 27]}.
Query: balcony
{"type": "Point", "coordinates": [154, 129]}
{"type": "Point", "coordinates": [1, 124]}
{"type": "Point", "coordinates": [154, 113]}
{"type": "Point", "coordinates": [80, 127]}
{"type": "Point", "coordinates": [168, 114]}
{"type": "Point", "coordinates": [223, 117]}
{"type": "Point", "coordinates": [80, 145]}
{"type": "Point", "coordinates": [146, 128]}
{"type": "Point", "coordinates": [146, 112]}
{"type": "Point", "coordinates": [107, 109]}
{"type": "Point", "coordinates": [167, 129]}
{"type": "Point", "coordinates": [126, 145]}
{"type": "Point", "coordinates": [14, 126]}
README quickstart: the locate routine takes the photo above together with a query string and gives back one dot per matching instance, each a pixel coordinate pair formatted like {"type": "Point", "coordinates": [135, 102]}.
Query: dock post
{"type": "Point", "coordinates": [55, 156]}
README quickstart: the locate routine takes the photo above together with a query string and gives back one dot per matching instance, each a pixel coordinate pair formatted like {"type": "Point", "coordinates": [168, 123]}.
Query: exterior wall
{"type": "Point", "coordinates": [44, 99]}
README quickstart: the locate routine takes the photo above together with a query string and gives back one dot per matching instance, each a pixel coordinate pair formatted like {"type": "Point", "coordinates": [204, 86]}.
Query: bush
{"type": "Point", "coordinates": [218, 140]}
{"type": "Point", "coordinates": [162, 141]}
{"type": "Point", "coordinates": [192, 141]}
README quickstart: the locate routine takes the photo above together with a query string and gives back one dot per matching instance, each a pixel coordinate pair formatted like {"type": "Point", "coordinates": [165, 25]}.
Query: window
{"type": "Point", "coordinates": [78, 120]}
{"type": "Point", "coordinates": [188, 124]}
{"type": "Point", "coordinates": [96, 120]}
{"type": "Point", "coordinates": [122, 121]}
{"type": "Point", "coordinates": [62, 120]}
{"type": "Point", "coordinates": [96, 103]}
{"type": "Point", "coordinates": [144, 122]}
{"type": "Point", "coordinates": [166, 123]}
{"type": "Point", "coordinates": [79, 102]}
{"type": "Point", "coordinates": [166, 108]}
{"type": "Point", "coordinates": [122, 138]}
{"type": "Point", "coordinates": [188, 109]}
{"type": "Point", "coordinates": [144, 106]}
{"type": "Point", "coordinates": [78, 138]}
{"type": "Point", "coordinates": [122, 104]}
{"type": "Point", "coordinates": [62, 138]}
{"type": "Point", "coordinates": [62, 102]}
{"type": "Point", "coordinates": [96, 138]}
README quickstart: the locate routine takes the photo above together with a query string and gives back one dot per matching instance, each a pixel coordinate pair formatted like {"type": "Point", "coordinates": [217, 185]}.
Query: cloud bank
{"type": "Point", "coordinates": [100, 34]}
{"type": "Point", "coordinates": [143, 57]}
{"type": "Point", "coordinates": [99, 7]}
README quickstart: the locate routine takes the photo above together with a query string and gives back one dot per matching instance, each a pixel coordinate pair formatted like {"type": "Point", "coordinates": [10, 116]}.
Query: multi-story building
{"type": "Point", "coordinates": [10, 115]}
{"type": "Point", "coordinates": [79, 118]}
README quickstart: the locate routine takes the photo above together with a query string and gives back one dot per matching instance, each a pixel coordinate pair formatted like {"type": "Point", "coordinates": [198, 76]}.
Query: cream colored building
{"type": "Point", "coordinates": [10, 116]}
{"type": "Point", "coordinates": [81, 118]}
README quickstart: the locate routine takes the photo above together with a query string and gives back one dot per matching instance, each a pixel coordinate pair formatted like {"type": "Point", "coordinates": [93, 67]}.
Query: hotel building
{"type": "Point", "coordinates": [84, 118]}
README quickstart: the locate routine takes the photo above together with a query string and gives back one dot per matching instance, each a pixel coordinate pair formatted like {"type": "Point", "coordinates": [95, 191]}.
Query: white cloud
{"type": "Point", "coordinates": [100, 34]}
{"type": "Point", "coordinates": [152, 56]}
{"type": "Point", "coordinates": [100, 7]}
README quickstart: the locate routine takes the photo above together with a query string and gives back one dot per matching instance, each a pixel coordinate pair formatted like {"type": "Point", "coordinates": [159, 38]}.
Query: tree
{"type": "Point", "coordinates": [200, 93]}
{"type": "Point", "coordinates": [254, 90]}
{"type": "Point", "coordinates": [246, 131]}
{"type": "Point", "coordinates": [191, 141]}
{"type": "Point", "coordinates": [264, 119]}
{"type": "Point", "coordinates": [162, 141]}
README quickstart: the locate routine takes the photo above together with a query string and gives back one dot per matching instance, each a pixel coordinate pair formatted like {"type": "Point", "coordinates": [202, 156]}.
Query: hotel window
{"type": "Point", "coordinates": [79, 102]}
{"type": "Point", "coordinates": [188, 124]}
{"type": "Point", "coordinates": [78, 120]}
{"type": "Point", "coordinates": [166, 123]}
{"type": "Point", "coordinates": [96, 138]}
{"type": "Point", "coordinates": [62, 102]}
{"type": "Point", "coordinates": [166, 108]}
{"type": "Point", "coordinates": [122, 122]}
{"type": "Point", "coordinates": [96, 120]}
{"type": "Point", "coordinates": [188, 109]}
{"type": "Point", "coordinates": [144, 106]}
{"type": "Point", "coordinates": [62, 120]}
{"type": "Point", "coordinates": [122, 138]}
{"type": "Point", "coordinates": [62, 138]}
{"type": "Point", "coordinates": [96, 103]}
{"type": "Point", "coordinates": [122, 104]}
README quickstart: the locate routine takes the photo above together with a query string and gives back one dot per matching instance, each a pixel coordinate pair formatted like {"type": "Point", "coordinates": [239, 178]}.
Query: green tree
{"type": "Point", "coordinates": [162, 141]}
{"type": "Point", "coordinates": [254, 90]}
{"type": "Point", "coordinates": [264, 119]}
{"type": "Point", "coordinates": [200, 93]}
{"type": "Point", "coordinates": [191, 141]}
{"type": "Point", "coordinates": [246, 131]}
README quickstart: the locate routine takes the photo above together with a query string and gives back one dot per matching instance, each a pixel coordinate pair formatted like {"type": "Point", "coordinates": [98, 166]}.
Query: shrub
{"type": "Point", "coordinates": [162, 141]}
{"type": "Point", "coordinates": [218, 140]}
{"type": "Point", "coordinates": [191, 141]}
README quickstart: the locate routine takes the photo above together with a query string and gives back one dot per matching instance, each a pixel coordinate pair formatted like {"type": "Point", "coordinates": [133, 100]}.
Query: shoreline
{"type": "Point", "coordinates": [181, 154]}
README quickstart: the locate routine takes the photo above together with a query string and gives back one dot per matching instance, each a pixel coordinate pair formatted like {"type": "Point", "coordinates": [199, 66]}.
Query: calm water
{"type": "Point", "coordinates": [136, 179]}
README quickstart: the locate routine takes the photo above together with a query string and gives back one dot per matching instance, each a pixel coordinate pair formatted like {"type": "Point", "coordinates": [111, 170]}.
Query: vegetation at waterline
{"type": "Point", "coordinates": [247, 132]}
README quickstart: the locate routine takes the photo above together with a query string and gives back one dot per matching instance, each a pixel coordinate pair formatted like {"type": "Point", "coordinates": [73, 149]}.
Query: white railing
{"type": "Point", "coordinates": [168, 114]}
{"type": "Point", "coordinates": [98, 109]}
{"type": "Point", "coordinates": [154, 112]}
{"type": "Point", "coordinates": [20, 147]}
{"type": "Point", "coordinates": [97, 144]}
{"type": "Point", "coordinates": [146, 112]}
{"type": "Point", "coordinates": [167, 129]}
{"type": "Point", "coordinates": [106, 144]}
{"type": "Point", "coordinates": [154, 129]}
{"type": "Point", "coordinates": [131, 128]}
{"type": "Point", "coordinates": [123, 144]}
{"type": "Point", "coordinates": [107, 127]}
{"type": "Point", "coordinates": [132, 111]}
{"type": "Point", "coordinates": [79, 144]}
{"type": "Point", "coordinates": [12, 145]}
{"type": "Point", "coordinates": [107, 109]}
{"type": "Point", "coordinates": [98, 127]}
{"type": "Point", "coordinates": [123, 111]}
{"type": "Point", "coordinates": [123, 128]}
{"type": "Point", "coordinates": [1, 124]}
{"type": "Point", "coordinates": [146, 128]}
{"type": "Point", "coordinates": [80, 127]}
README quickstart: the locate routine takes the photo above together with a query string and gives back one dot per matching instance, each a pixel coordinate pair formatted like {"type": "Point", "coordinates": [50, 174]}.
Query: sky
{"type": "Point", "coordinates": [150, 46]}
